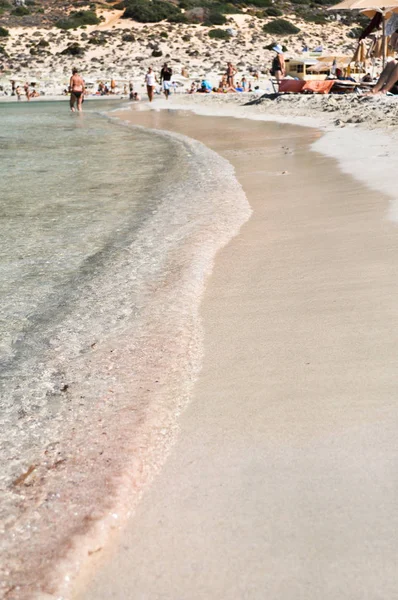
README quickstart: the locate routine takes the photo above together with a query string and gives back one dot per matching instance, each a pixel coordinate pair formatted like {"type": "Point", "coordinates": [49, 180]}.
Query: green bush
{"type": "Point", "coordinates": [187, 4]}
{"type": "Point", "coordinates": [164, 34]}
{"type": "Point", "coordinates": [261, 3]}
{"type": "Point", "coordinates": [42, 43]}
{"type": "Point", "coordinates": [355, 32]}
{"type": "Point", "coordinates": [5, 4]}
{"type": "Point", "coordinates": [227, 9]}
{"type": "Point", "coordinates": [4, 32]}
{"type": "Point", "coordinates": [97, 41]}
{"type": "Point", "coordinates": [150, 12]}
{"type": "Point", "coordinates": [318, 19]}
{"type": "Point", "coordinates": [78, 19]}
{"type": "Point", "coordinates": [280, 27]}
{"type": "Point", "coordinates": [215, 18]}
{"type": "Point", "coordinates": [219, 34]}
{"type": "Point", "coordinates": [218, 5]}
{"type": "Point", "coordinates": [73, 50]}
{"type": "Point", "coordinates": [21, 11]}
{"type": "Point", "coordinates": [273, 12]}
{"type": "Point", "coordinates": [177, 18]}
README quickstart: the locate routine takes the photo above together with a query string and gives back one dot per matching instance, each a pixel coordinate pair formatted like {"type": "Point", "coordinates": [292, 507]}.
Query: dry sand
{"type": "Point", "coordinates": [283, 482]}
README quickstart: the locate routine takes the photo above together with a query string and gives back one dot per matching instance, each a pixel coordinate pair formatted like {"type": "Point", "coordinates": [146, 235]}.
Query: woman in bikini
{"type": "Point", "coordinates": [76, 87]}
{"type": "Point", "coordinates": [278, 69]}
{"type": "Point", "coordinates": [231, 71]}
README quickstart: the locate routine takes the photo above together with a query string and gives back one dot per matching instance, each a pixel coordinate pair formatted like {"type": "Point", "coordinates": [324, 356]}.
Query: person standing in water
{"type": "Point", "coordinates": [27, 91]}
{"type": "Point", "coordinates": [150, 81]}
{"type": "Point", "coordinates": [76, 88]}
{"type": "Point", "coordinates": [165, 77]}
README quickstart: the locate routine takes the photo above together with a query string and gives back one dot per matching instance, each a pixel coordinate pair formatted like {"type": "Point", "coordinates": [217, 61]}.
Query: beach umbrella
{"type": "Point", "coordinates": [321, 67]}
{"type": "Point", "coordinates": [360, 53]}
{"type": "Point", "coordinates": [338, 58]}
{"type": "Point", "coordinates": [379, 5]}
{"type": "Point", "coordinates": [328, 63]}
{"type": "Point", "coordinates": [370, 7]}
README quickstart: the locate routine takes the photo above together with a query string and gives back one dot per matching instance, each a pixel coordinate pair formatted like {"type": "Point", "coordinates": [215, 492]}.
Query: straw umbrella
{"type": "Point", "coordinates": [326, 63]}
{"type": "Point", "coordinates": [369, 8]}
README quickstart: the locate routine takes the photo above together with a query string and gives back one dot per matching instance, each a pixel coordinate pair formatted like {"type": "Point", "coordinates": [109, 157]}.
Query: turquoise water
{"type": "Point", "coordinates": [108, 233]}
{"type": "Point", "coordinates": [73, 191]}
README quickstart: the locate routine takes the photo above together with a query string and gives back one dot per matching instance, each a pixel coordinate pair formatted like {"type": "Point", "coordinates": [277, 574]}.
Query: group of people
{"type": "Point", "coordinates": [226, 84]}
{"type": "Point", "coordinates": [29, 89]}
{"type": "Point", "coordinates": [164, 79]}
{"type": "Point", "coordinates": [386, 83]}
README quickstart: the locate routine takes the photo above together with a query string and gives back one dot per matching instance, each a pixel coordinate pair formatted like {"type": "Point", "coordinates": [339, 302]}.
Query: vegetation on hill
{"type": "Point", "coordinates": [219, 34]}
{"type": "Point", "coordinates": [78, 19]}
{"type": "Point", "coordinates": [148, 12]}
{"type": "Point", "coordinates": [71, 14]}
{"type": "Point", "coordinates": [281, 27]}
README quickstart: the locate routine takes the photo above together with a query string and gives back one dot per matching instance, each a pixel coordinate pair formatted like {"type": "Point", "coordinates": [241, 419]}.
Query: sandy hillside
{"type": "Point", "coordinates": [123, 48]}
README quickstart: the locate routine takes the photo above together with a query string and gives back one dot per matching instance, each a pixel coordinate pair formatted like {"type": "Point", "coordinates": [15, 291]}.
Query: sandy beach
{"type": "Point", "coordinates": [282, 481]}
{"type": "Point", "coordinates": [199, 314]}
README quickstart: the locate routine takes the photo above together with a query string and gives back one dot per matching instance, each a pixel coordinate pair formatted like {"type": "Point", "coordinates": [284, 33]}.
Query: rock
{"type": "Point", "coordinates": [196, 15]}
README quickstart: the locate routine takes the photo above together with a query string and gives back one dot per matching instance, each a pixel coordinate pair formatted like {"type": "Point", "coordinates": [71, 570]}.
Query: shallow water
{"type": "Point", "coordinates": [108, 234]}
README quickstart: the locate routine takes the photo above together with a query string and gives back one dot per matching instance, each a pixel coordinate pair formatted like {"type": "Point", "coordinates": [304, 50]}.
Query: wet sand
{"type": "Point", "coordinates": [282, 484]}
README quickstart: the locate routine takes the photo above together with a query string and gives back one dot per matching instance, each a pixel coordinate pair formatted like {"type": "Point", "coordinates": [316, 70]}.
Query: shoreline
{"type": "Point", "coordinates": [146, 371]}
{"type": "Point", "coordinates": [365, 152]}
{"type": "Point", "coordinates": [331, 143]}
{"type": "Point", "coordinates": [156, 556]}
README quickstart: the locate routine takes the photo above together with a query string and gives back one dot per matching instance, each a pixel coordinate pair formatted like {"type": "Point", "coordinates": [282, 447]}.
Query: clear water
{"type": "Point", "coordinates": [107, 235]}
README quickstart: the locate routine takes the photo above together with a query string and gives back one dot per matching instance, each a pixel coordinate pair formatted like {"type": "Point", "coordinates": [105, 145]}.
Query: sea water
{"type": "Point", "coordinates": [108, 233]}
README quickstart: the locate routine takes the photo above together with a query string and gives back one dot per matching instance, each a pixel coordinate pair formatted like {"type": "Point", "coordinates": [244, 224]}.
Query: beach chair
{"type": "Point", "coordinates": [275, 84]}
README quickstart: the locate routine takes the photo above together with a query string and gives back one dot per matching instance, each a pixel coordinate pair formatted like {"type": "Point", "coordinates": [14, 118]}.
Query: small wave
{"type": "Point", "coordinates": [122, 365]}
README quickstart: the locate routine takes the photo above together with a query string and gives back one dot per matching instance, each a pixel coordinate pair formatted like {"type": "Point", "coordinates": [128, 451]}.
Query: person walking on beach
{"type": "Point", "coordinates": [76, 88]}
{"type": "Point", "coordinates": [165, 77]}
{"type": "Point", "coordinates": [150, 81]}
{"type": "Point", "coordinates": [278, 69]}
{"type": "Point", "coordinates": [231, 72]}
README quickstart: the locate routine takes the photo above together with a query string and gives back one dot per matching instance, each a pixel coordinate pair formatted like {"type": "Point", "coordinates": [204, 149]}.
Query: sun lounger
{"type": "Point", "coordinates": [326, 86]}
{"type": "Point", "coordinates": [301, 86]}
{"type": "Point", "coordinates": [347, 87]}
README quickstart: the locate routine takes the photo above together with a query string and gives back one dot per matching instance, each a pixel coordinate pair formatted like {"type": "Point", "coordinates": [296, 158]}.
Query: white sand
{"type": "Point", "coordinates": [283, 482]}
